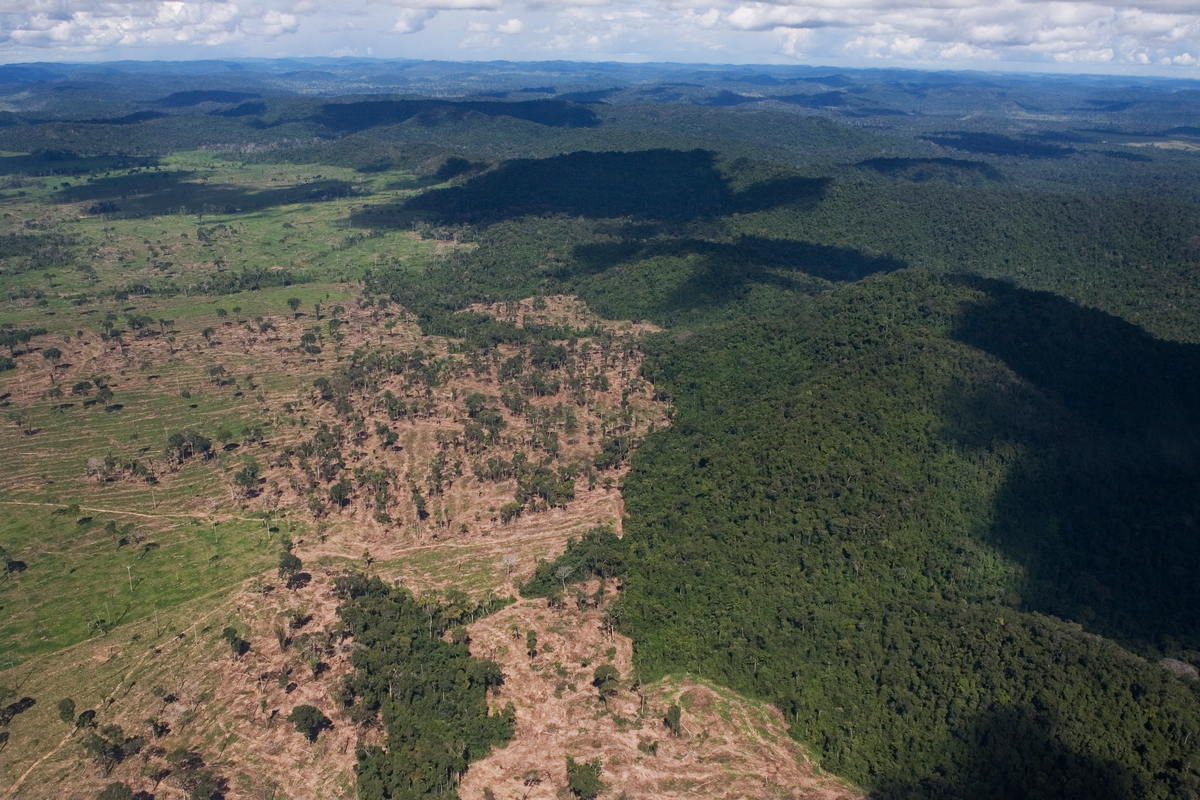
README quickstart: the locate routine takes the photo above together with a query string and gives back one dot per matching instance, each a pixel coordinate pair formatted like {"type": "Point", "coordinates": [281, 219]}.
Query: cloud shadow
{"type": "Point", "coordinates": [1103, 506]}
{"type": "Point", "coordinates": [667, 185]}
{"type": "Point", "coordinates": [143, 194]}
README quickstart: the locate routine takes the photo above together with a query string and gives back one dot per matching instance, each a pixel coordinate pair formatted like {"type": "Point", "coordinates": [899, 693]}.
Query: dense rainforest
{"type": "Point", "coordinates": [940, 516]}
{"type": "Point", "coordinates": [931, 480]}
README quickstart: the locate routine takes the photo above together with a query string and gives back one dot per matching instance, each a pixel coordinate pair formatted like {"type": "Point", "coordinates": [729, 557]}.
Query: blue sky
{"type": "Point", "coordinates": [1154, 37]}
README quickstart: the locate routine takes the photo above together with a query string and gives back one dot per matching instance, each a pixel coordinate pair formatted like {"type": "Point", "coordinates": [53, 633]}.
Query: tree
{"type": "Point", "coordinates": [509, 512]}
{"type": "Point", "coordinates": [475, 403]}
{"type": "Point", "coordinates": [294, 305]}
{"type": "Point", "coordinates": [207, 333]}
{"type": "Point", "coordinates": [672, 720]}
{"type": "Point", "coordinates": [52, 354]}
{"type": "Point", "coordinates": [110, 746]}
{"type": "Point", "coordinates": [236, 643]}
{"type": "Point", "coordinates": [583, 780]}
{"type": "Point", "coordinates": [289, 565]}
{"type": "Point", "coordinates": [339, 493]}
{"type": "Point", "coordinates": [247, 476]}
{"type": "Point", "coordinates": [187, 443]}
{"type": "Point", "coordinates": [562, 573]}
{"type": "Point", "coordinates": [309, 721]}
{"type": "Point", "coordinates": [222, 313]}
{"type": "Point", "coordinates": [606, 678]}
{"type": "Point", "coordinates": [531, 644]}
{"type": "Point", "coordinates": [22, 419]}
{"type": "Point", "coordinates": [116, 791]}
{"type": "Point", "coordinates": [419, 502]}
{"type": "Point", "coordinates": [66, 710]}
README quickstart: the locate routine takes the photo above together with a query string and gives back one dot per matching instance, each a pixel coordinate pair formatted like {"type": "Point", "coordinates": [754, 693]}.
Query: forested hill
{"type": "Point", "coordinates": [865, 516]}
{"type": "Point", "coordinates": [944, 521]}
{"type": "Point", "coordinates": [930, 344]}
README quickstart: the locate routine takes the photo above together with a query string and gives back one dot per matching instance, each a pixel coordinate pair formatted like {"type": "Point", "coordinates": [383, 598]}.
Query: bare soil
{"type": "Point", "coordinates": [729, 747]}
{"type": "Point", "coordinates": [232, 708]}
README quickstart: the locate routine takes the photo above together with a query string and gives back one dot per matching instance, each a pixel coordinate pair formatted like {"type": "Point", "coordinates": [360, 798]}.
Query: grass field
{"type": "Point", "coordinates": [79, 582]}
{"type": "Point", "coordinates": [142, 242]}
{"type": "Point", "coordinates": [173, 313]}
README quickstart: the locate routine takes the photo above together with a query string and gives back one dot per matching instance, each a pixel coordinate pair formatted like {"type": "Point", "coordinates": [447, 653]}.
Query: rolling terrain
{"type": "Point", "coordinates": [596, 431]}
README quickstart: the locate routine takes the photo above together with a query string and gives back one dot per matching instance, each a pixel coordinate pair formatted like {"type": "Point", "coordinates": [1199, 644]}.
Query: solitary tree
{"type": "Point", "coordinates": [562, 573]}
{"type": "Point", "coordinates": [289, 565]}
{"type": "Point", "coordinates": [247, 477]}
{"type": "Point", "coordinates": [606, 679]}
{"type": "Point", "coordinates": [294, 305]}
{"type": "Point", "coordinates": [22, 420]}
{"type": "Point", "coordinates": [310, 721]}
{"type": "Point", "coordinates": [339, 493]}
{"type": "Point", "coordinates": [236, 643]}
{"type": "Point", "coordinates": [673, 720]}
{"type": "Point", "coordinates": [66, 710]}
{"type": "Point", "coordinates": [116, 791]}
{"type": "Point", "coordinates": [583, 780]}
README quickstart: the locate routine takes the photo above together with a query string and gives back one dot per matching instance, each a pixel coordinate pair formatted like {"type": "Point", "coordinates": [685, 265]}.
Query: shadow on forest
{"type": "Point", "coordinates": [354, 117]}
{"type": "Point", "coordinates": [716, 273]}
{"type": "Point", "coordinates": [1103, 508]}
{"type": "Point", "coordinates": [668, 185]}
{"type": "Point", "coordinates": [920, 170]}
{"type": "Point", "coordinates": [63, 162]}
{"type": "Point", "coordinates": [1014, 754]}
{"type": "Point", "coordinates": [144, 194]}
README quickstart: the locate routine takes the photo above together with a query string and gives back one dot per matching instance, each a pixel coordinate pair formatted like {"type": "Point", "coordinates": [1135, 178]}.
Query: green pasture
{"type": "Point", "coordinates": [173, 228]}
{"type": "Point", "coordinates": [78, 580]}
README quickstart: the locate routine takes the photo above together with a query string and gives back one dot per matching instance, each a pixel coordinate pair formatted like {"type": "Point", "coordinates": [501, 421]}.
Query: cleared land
{"type": "Point", "coordinates": [334, 428]}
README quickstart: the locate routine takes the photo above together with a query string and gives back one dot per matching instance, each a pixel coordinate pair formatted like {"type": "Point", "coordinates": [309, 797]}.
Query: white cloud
{"type": "Point", "coordinates": [83, 26]}
{"type": "Point", "coordinates": [1159, 34]}
{"type": "Point", "coordinates": [412, 20]}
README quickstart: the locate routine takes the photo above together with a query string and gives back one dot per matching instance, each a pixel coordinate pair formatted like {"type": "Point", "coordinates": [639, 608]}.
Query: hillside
{"type": "Point", "coordinates": [645, 434]}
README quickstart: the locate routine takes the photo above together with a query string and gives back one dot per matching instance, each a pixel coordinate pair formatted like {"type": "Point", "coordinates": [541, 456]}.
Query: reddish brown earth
{"type": "Point", "coordinates": [232, 708]}
{"type": "Point", "coordinates": [729, 747]}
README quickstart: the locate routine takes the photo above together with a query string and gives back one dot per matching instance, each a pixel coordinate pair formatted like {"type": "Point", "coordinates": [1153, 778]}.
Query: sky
{"type": "Point", "coordinates": [1149, 37]}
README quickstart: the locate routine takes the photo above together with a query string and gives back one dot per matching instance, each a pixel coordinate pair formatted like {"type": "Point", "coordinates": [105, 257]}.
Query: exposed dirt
{"type": "Point", "coordinates": [729, 747]}
{"type": "Point", "coordinates": [232, 709]}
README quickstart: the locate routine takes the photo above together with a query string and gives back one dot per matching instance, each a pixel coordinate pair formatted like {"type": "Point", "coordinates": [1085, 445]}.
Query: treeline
{"type": "Point", "coordinates": [827, 524]}
{"type": "Point", "coordinates": [902, 509]}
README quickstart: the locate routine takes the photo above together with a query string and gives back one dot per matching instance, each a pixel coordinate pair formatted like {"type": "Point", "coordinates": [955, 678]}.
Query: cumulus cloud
{"type": "Point", "coordinates": [412, 20]}
{"type": "Point", "coordinates": [1158, 33]}
{"type": "Point", "coordinates": [962, 29]}
{"type": "Point", "coordinates": [80, 25]}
